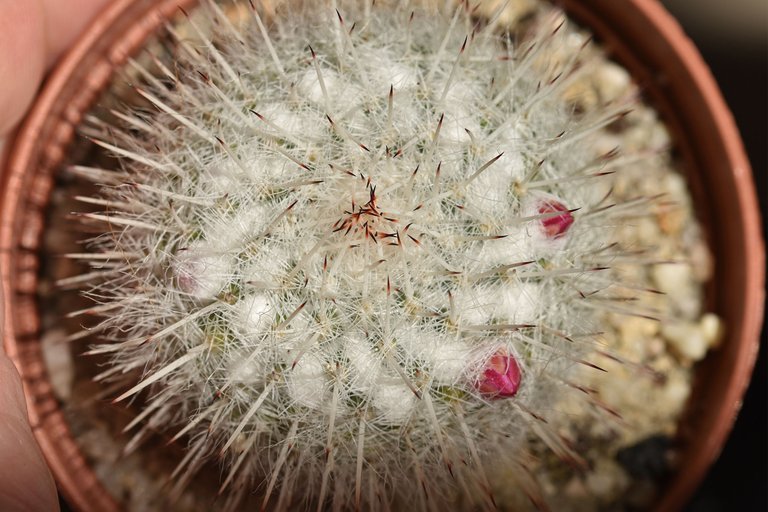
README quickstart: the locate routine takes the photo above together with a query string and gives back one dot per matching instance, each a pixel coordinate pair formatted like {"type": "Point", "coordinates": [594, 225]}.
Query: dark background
{"type": "Point", "coordinates": [732, 39]}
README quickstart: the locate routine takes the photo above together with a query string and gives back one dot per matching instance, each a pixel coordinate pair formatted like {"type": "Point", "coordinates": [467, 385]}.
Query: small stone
{"type": "Point", "coordinates": [659, 136]}
{"type": "Point", "coordinates": [575, 488]}
{"type": "Point", "coordinates": [687, 338]}
{"type": "Point", "coordinates": [641, 495]}
{"type": "Point", "coordinates": [664, 363]}
{"type": "Point", "coordinates": [676, 281]}
{"type": "Point", "coordinates": [612, 81]}
{"type": "Point", "coordinates": [607, 480]}
{"type": "Point", "coordinates": [670, 278]}
{"type": "Point", "coordinates": [648, 458]}
{"type": "Point", "coordinates": [676, 391]}
{"type": "Point", "coordinates": [712, 329]}
{"type": "Point", "coordinates": [635, 330]}
{"type": "Point", "coordinates": [655, 346]}
{"type": "Point", "coordinates": [58, 360]}
{"type": "Point", "coordinates": [672, 220]}
{"type": "Point", "coordinates": [701, 261]}
{"type": "Point", "coordinates": [582, 95]}
{"type": "Point", "coordinates": [513, 11]}
{"type": "Point", "coordinates": [647, 230]}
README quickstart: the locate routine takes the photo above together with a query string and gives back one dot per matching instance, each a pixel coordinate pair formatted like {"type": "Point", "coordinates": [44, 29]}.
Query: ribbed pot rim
{"type": "Point", "coordinates": [639, 34]}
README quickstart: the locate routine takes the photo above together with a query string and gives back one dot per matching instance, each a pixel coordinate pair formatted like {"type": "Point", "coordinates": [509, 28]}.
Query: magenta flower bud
{"type": "Point", "coordinates": [501, 376]}
{"type": "Point", "coordinates": [556, 225]}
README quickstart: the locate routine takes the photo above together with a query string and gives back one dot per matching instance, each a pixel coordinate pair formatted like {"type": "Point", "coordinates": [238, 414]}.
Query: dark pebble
{"type": "Point", "coordinates": [650, 458]}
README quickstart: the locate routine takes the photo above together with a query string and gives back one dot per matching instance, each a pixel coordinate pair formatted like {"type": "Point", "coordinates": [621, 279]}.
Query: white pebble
{"type": "Point", "coordinates": [612, 81]}
{"type": "Point", "coordinates": [687, 339]}
{"type": "Point", "coordinates": [58, 359]}
{"type": "Point", "coordinates": [607, 479]}
{"type": "Point", "coordinates": [676, 391]}
{"type": "Point", "coordinates": [712, 329]}
{"type": "Point", "coordinates": [676, 280]}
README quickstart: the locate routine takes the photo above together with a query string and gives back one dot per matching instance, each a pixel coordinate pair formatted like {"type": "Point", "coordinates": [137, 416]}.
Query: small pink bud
{"type": "Point", "coordinates": [556, 225]}
{"type": "Point", "coordinates": [501, 376]}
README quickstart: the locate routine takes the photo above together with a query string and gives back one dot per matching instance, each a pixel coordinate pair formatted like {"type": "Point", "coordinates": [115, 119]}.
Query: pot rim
{"type": "Point", "coordinates": [114, 35]}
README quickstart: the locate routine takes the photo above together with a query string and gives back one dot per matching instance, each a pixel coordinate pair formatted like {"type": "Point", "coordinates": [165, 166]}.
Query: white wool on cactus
{"type": "Point", "coordinates": [356, 250]}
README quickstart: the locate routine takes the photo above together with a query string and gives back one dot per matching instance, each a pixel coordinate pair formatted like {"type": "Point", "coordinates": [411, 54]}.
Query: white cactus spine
{"type": "Point", "coordinates": [330, 223]}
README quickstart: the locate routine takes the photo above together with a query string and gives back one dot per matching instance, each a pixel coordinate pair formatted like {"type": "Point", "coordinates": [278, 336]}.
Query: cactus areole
{"type": "Point", "coordinates": [355, 252]}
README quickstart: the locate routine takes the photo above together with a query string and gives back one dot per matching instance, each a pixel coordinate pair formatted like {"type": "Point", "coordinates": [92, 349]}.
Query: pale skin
{"type": "Point", "coordinates": [33, 36]}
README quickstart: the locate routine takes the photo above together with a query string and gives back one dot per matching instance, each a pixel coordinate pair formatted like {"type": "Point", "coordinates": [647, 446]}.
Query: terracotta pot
{"type": "Point", "coordinates": [637, 33]}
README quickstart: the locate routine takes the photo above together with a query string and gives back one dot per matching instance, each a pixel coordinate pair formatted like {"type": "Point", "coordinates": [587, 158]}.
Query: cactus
{"type": "Point", "coordinates": [360, 252]}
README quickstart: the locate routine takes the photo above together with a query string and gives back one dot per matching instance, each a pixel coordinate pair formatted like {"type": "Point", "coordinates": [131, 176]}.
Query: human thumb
{"type": "Point", "coordinates": [26, 484]}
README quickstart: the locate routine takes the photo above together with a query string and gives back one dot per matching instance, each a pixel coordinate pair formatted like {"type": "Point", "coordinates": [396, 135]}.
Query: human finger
{"type": "Point", "coordinates": [33, 34]}
{"type": "Point", "coordinates": [26, 483]}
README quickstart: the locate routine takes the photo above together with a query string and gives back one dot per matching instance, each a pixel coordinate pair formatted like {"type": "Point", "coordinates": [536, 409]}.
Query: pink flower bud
{"type": "Point", "coordinates": [500, 377]}
{"type": "Point", "coordinates": [556, 225]}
